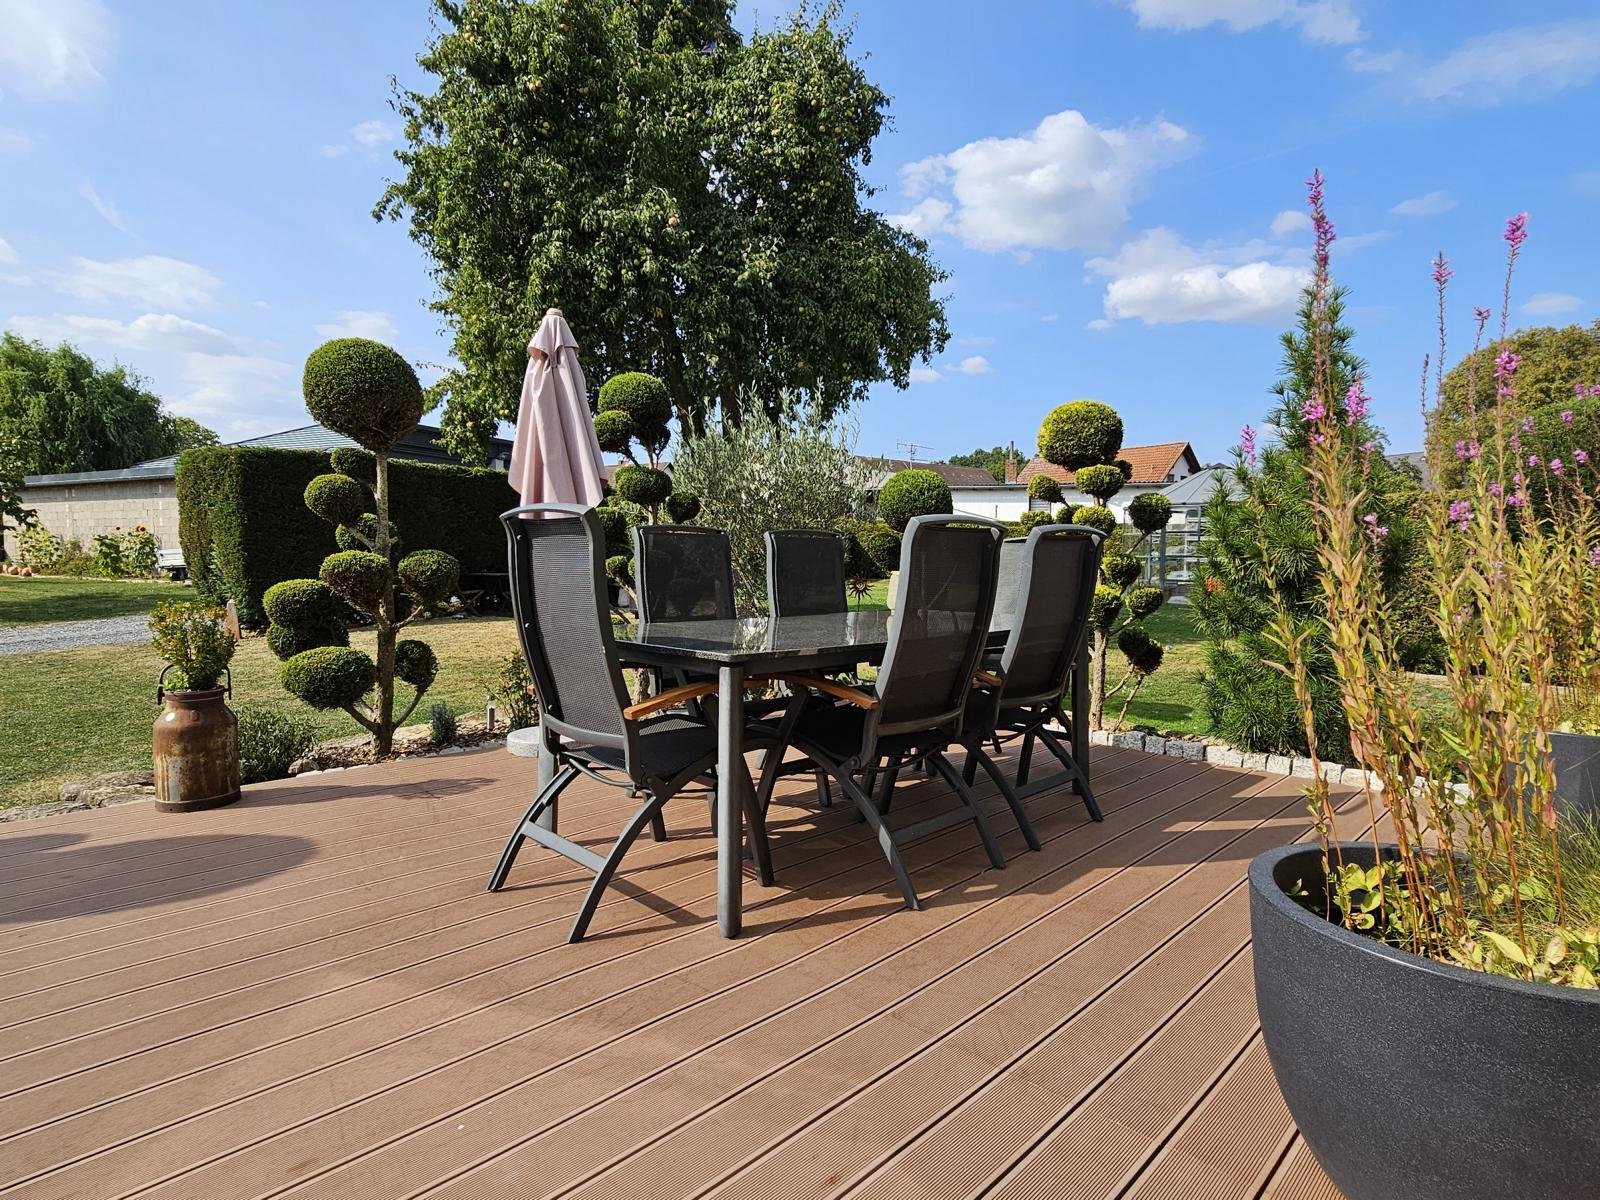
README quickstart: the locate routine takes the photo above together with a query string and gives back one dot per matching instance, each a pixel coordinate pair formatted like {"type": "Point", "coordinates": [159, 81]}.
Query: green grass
{"type": "Point", "coordinates": [1171, 700]}
{"type": "Point", "coordinates": [80, 712]}
{"type": "Point", "coordinates": [36, 600]}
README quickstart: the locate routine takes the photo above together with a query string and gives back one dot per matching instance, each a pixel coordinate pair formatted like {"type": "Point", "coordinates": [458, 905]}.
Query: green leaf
{"type": "Point", "coordinates": [1506, 947]}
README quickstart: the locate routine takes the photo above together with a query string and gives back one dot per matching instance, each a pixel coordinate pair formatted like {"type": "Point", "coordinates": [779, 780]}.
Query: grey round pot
{"type": "Point", "coordinates": [1413, 1079]}
{"type": "Point", "coordinates": [1576, 758]}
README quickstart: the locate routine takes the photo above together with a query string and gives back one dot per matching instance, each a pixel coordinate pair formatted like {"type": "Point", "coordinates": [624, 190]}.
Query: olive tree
{"type": "Point", "coordinates": [367, 392]}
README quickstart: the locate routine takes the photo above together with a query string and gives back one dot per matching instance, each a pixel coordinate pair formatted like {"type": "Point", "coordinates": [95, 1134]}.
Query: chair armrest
{"type": "Point", "coordinates": [987, 679]}
{"type": "Point", "coordinates": [830, 687]}
{"type": "Point", "coordinates": [667, 699]}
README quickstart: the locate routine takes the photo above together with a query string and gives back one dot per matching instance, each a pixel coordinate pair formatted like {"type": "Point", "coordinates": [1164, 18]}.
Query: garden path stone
{"type": "Point", "coordinates": [74, 635]}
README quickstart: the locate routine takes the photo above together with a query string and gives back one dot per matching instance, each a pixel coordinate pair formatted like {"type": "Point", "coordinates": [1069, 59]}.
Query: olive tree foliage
{"type": "Point", "coordinates": [1085, 437]}
{"type": "Point", "coordinates": [795, 469]}
{"type": "Point", "coordinates": [366, 391]}
{"type": "Point", "coordinates": [693, 201]}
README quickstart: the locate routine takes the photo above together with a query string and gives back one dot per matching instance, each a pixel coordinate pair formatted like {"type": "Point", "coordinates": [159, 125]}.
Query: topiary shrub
{"type": "Point", "coordinates": [914, 492]}
{"type": "Point", "coordinates": [1149, 512]}
{"type": "Point", "coordinates": [647, 487]}
{"type": "Point", "coordinates": [1064, 514]}
{"type": "Point", "coordinates": [1143, 601]}
{"type": "Point", "coordinates": [358, 577]}
{"type": "Point", "coordinates": [429, 576]}
{"type": "Point", "coordinates": [683, 507]}
{"type": "Point", "coordinates": [285, 641]}
{"type": "Point", "coordinates": [1102, 481]}
{"type": "Point", "coordinates": [329, 676]}
{"type": "Point", "coordinates": [619, 569]}
{"type": "Point", "coordinates": [881, 543]}
{"type": "Point", "coordinates": [270, 740]}
{"type": "Point", "coordinates": [1126, 468]}
{"type": "Point", "coordinates": [337, 499]}
{"type": "Point", "coordinates": [301, 602]}
{"type": "Point", "coordinates": [1105, 607]}
{"type": "Point", "coordinates": [1120, 570]}
{"type": "Point", "coordinates": [644, 400]}
{"type": "Point", "coordinates": [1096, 516]}
{"type": "Point", "coordinates": [613, 430]}
{"type": "Point", "coordinates": [1143, 652]}
{"type": "Point", "coordinates": [1080, 433]}
{"type": "Point", "coordinates": [416, 664]}
{"type": "Point", "coordinates": [1042, 487]}
{"type": "Point", "coordinates": [1033, 518]}
{"type": "Point", "coordinates": [363, 533]}
{"type": "Point", "coordinates": [358, 464]}
{"type": "Point", "coordinates": [364, 390]}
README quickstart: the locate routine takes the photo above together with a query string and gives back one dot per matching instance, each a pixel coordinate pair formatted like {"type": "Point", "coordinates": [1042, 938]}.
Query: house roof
{"type": "Point", "coordinates": [1151, 464]}
{"type": "Point", "coordinates": [1194, 490]}
{"type": "Point", "coordinates": [953, 475]}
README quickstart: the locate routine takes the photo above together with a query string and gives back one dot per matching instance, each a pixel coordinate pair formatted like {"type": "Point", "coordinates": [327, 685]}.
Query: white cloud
{"type": "Point", "coordinates": [1050, 318]}
{"type": "Point", "coordinates": [1548, 304]}
{"type": "Point", "coordinates": [53, 48]}
{"type": "Point", "coordinates": [166, 332]}
{"type": "Point", "coordinates": [1066, 184]}
{"type": "Point", "coordinates": [238, 394]}
{"type": "Point", "coordinates": [8, 258]}
{"type": "Point", "coordinates": [1290, 220]}
{"type": "Point", "coordinates": [335, 151]}
{"type": "Point", "coordinates": [1099, 324]}
{"type": "Point", "coordinates": [1365, 62]}
{"type": "Point", "coordinates": [7, 253]}
{"type": "Point", "coordinates": [13, 143]}
{"type": "Point", "coordinates": [1349, 243]}
{"type": "Point", "coordinates": [1532, 60]}
{"type": "Point", "coordinates": [106, 209]}
{"type": "Point", "coordinates": [925, 375]}
{"type": "Point", "coordinates": [1429, 204]}
{"type": "Point", "coordinates": [364, 323]}
{"type": "Point", "coordinates": [977, 364]}
{"type": "Point", "coordinates": [372, 133]}
{"type": "Point", "coordinates": [1331, 22]}
{"type": "Point", "coordinates": [1159, 280]}
{"type": "Point", "coordinates": [151, 280]}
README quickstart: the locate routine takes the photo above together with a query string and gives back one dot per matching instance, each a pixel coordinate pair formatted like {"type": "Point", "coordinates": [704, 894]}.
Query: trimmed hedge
{"type": "Point", "coordinates": [244, 526]}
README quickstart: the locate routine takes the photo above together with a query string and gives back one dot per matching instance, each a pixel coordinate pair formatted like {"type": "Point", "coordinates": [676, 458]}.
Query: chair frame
{"type": "Point", "coordinates": [570, 759]}
{"type": "Point", "coordinates": [773, 538]}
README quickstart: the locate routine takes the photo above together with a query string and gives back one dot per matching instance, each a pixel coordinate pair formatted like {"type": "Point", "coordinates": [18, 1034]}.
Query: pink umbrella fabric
{"type": "Point", "coordinates": [555, 458]}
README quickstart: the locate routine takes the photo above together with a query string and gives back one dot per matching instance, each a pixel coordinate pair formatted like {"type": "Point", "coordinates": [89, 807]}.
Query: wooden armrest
{"type": "Point", "coordinates": [667, 699]}
{"type": "Point", "coordinates": [987, 679]}
{"type": "Point", "coordinates": [830, 687]}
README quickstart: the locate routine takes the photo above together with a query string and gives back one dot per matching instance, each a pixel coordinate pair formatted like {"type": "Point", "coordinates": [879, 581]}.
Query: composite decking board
{"type": "Point", "coordinates": [589, 1035]}
{"type": "Point", "coordinates": [733, 1052]}
{"type": "Point", "coordinates": [959, 1028]}
{"type": "Point", "coordinates": [587, 1066]}
{"type": "Point", "coordinates": [716, 944]}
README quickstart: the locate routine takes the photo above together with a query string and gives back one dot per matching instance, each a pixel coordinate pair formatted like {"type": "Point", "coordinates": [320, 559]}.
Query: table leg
{"type": "Point", "coordinates": [731, 782]}
{"type": "Point", "coordinates": [1080, 717]}
{"type": "Point", "coordinates": [547, 772]}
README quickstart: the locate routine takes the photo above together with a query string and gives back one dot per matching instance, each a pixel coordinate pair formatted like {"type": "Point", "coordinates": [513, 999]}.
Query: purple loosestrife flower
{"type": "Point", "coordinates": [1555, 466]}
{"type": "Point", "coordinates": [1533, 461]}
{"type": "Point", "coordinates": [1594, 389]}
{"type": "Point", "coordinates": [1318, 438]}
{"type": "Point", "coordinates": [1594, 555]}
{"type": "Point", "coordinates": [1496, 489]}
{"type": "Point", "coordinates": [1375, 531]}
{"type": "Point", "coordinates": [1441, 270]}
{"type": "Point", "coordinates": [1566, 417]}
{"type": "Point", "coordinates": [1527, 424]}
{"type": "Point", "coordinates": [1312, 409]}
{"type": "Point", "coordinates": [1247, 444]}
{"type": "Point", "coordinates": [1319, 222]}
{"type": "Point", "coordinates": [1517, 231]}
{"type": "Point", "coordinates": [1581, 457]}
{"type": "Point", "coordinates": [1355, 403]}
{"type": "Point", "coordinates": [1514, 501]}
{"type": "Point", "coordinates": [1461, 514]}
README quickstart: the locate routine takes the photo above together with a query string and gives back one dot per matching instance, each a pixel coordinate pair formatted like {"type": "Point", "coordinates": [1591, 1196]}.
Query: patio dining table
{"type": "Point", "coordinates": [743, 648]}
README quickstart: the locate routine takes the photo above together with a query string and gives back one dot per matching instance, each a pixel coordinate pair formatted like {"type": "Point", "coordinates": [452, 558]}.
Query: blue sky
{"type": "Point", "coordinates": [1113, 186]}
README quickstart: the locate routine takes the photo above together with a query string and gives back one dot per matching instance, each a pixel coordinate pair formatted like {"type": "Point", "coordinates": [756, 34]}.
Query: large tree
{"type": "Point", "coordinates": [692, 201]}
{"type": "Point", "coordinates": [992, 461]}
{"type": "Point", "coordinates": [65, 413]}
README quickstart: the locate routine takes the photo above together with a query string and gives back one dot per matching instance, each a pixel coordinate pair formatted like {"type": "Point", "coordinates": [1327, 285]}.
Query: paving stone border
{"type": "Point", "coordinates": [1217, 755]}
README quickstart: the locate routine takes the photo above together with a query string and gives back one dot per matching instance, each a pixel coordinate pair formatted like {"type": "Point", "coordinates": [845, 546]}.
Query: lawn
{"type": "Point", "coordinates": [33, 601]}
{"type": "Point", "coordinates": [1171, 700]}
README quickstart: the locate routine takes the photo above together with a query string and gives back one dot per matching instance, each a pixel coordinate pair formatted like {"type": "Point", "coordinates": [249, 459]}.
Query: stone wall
{"type": "Point", "coordinates": [81, 510]}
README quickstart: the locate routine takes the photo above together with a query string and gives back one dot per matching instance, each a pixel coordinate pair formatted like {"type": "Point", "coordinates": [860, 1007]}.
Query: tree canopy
{"type": "Point", "coordinates": [64, 413]}
{"type": "Point", "coordinates": [692, 201]}
{"type": "Point", "coordinates": [992, 461]}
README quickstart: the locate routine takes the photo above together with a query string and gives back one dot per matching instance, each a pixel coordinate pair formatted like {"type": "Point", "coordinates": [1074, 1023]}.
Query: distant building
{"type": "Point", "coordinates": [78, 505]}
{"type": "Point", "coordinates": [1154, 468]}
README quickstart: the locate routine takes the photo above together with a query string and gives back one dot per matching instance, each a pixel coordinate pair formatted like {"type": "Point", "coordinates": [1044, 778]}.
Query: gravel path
{"type": "Point", "coordinates": [74, 635]}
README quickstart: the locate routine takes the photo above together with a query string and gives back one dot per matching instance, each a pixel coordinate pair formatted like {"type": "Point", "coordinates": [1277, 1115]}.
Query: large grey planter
{"type": "Point", "coordinates": [1576, 757]}
{"type": "Point", "coordinates": [1416, 1080]}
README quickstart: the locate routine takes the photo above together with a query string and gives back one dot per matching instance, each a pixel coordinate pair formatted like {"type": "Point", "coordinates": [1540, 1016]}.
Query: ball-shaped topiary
{"type": "Point", "coordinates": [914, 492]}
{"type": "Point", "coordinates": [1149, 512]}
{"type": "Point", "coordinates": [285, 641]}
{"type": "Point", "coordinates": [1142, 601]}
{"type": "Point", "coordinates": [415, 663]}
{"type": "Point", "coordinates": [364, 390]}
{"type": "Point", "coordinates": [1119, 570]}
{"type": "Point", "coordinates": [360, 534]}
{"type": "Point", "coordinates": [1105, 606]}
{"type": "Point", "coordinates": [614, 523]}
{"type": "Point", "coordinates": [1064, 514]}
{"type": "Point", "coordinates": [301, 604]}
{"type": "Point", "coordinates": [1101, 481]}
{"type": "Point", "coordinates": [1096, 516]}
{"type": "Point", "coordinates": [355, 462]}
{"type": "Point", "coordinates": [881, 543]}
{"type": "Point", "coordinates": [644, 486]}
{"type": "Point", "coordinates": [1143, 652]}
{"type": "Point", "coordinates": [683, 507]}
{"type": "Point", "coordinates": [329, 676]}
{"type": "Point", "coordinates": [619, 567]}
{"type": "Point", "coordinates": [1080, 433]}
{"type": "Point", "coordinates": [613, 430]}
{"type": "Point", "coordinates": [360, 577]}
{"type": "Point", "coordinates": [429, 575]}
{"type": "Point", "coordinates": [1033, 518]}
{"type": "Point", "coordinates": [643, 397]}
{"type": "Point", "coordinates": [1126, 468]}
{"type": "Point", "coordinates": [337, 499]}
{"type": "Point", "coordinates": [1042, 487]}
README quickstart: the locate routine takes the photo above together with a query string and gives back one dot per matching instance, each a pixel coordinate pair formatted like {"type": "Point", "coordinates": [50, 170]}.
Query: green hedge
{"type": "Point", "coordinates": [244, 526]}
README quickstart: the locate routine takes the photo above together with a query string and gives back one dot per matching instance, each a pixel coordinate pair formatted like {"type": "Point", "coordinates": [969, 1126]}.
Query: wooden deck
{"type": "Point", "coordinates": [309, 994]}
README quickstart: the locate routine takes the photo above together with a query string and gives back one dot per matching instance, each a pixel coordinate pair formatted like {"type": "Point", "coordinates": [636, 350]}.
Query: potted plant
{"type": "Point", "coordinates": [1428, 1000]}
{"type": "Point", "coordinates": [196, 736]}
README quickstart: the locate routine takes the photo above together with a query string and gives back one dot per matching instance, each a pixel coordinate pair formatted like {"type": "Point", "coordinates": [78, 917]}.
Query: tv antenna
{"type": "Point", "coordinates": [911, 449]}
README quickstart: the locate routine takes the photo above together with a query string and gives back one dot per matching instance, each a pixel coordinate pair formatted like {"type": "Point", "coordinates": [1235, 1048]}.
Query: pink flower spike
{"type": "Point", "coordinates": [1594, 389]}
{"type": "Point", "coordinates": [1533, 460]}
{"type": "Point", "coordinates": [1555, 466]}
{"type": "Point", "coordinates": [1355, 403]}
{"type": "Point", "coordinates": [1247, 444]}
{"type": "Point", "coordinates": [1527, 424]}
{"type": "Point", "coordinates": [1496, 489]}
{"type": "Point", "coordinates": [1441, 269]}
{"type": "Point", "coordinates": [1517, 230]}
{"type": "Point", "coordinates": [1581, 457]}
{"type": "Point", "coordinates": [1566, 417]}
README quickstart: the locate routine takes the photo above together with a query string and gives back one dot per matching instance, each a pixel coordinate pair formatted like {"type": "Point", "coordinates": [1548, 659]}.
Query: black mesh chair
{"type": "Point", "coordinates": [948, 570]}
{"type": "Point", "coordinates": [683, 573]}
{"type": "Point", "coordinates": [1019, 694]}
{"type": "Point", "coordinates": [558, 596]}
{"type": "Point", "coordinates": [805, 573]}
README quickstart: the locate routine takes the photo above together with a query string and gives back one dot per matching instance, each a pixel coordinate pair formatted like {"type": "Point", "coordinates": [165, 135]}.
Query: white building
{"type": "Point", "coordinates": [1154, 468]}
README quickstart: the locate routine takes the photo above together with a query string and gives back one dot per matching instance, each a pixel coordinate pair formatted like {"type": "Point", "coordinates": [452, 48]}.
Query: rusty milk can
{"type": "Point", "coordinates": [196, 749]}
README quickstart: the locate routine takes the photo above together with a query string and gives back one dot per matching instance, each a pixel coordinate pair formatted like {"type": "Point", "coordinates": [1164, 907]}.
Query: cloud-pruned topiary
{"type": "Point", "coordinates": [1064, 514]}
{"type": "Point", "coordinates": [613, 430]}
{"type": "Point", "coordinates": [914, 492]}
{"type": "Point", "coordinates": [364, 390]}
{"type": "Point", "coordinates": [1096, 516]}
{"type": "Point", "coordinates": [1143, 601]}
{"type": "Point", "coordinates": [1105, 607]}
{"type": "Point", "coordinates": [1120, 570]}
{"type": "Point", "coordinates": [1150, 512]}
{"type": "Point", "coordinates": [1143, 652]}
{"type": "Point", "coordinates": [1042, 487]}
{"type": "Point", "coordinates": [1102, 481]}
{"type": "Point", "coordinates": [1080, 433]}
{"type": "Point", "coordinates": [1033, 518]}
{"type": "Point", "coordinates": [367, 392]}
{"type": "Point", "coordinates": [682, 507]}
{"type": "Point", "coordinates": [647, 487]}
{"type": "Point", "coordinates": [646, 403]}
{"type": "Point", "coordinates": [1126, 468]}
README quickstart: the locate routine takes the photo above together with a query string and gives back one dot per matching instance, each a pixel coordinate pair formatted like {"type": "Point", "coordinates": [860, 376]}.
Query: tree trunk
{"type": "Point", "coordinates": [1097, 687]}
{"type": "Point", "coordinates": [383, 736]}
{"type": "Point", "coordinates": [691, 415]}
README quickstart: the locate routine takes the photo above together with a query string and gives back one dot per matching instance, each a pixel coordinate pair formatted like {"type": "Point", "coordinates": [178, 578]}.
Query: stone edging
{"type": "Point", "coordinates": [1238, 760]}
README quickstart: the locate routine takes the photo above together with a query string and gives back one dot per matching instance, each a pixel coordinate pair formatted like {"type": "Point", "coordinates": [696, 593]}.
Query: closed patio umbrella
{"type": "Point", "coordinates": [555, 458]}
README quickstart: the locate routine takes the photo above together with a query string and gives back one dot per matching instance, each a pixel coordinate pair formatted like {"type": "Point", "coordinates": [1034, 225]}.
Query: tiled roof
{"type": "Point", "coordinates": [953, 475]}
{"type": "Point", "coordinates": [1151, 464]}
